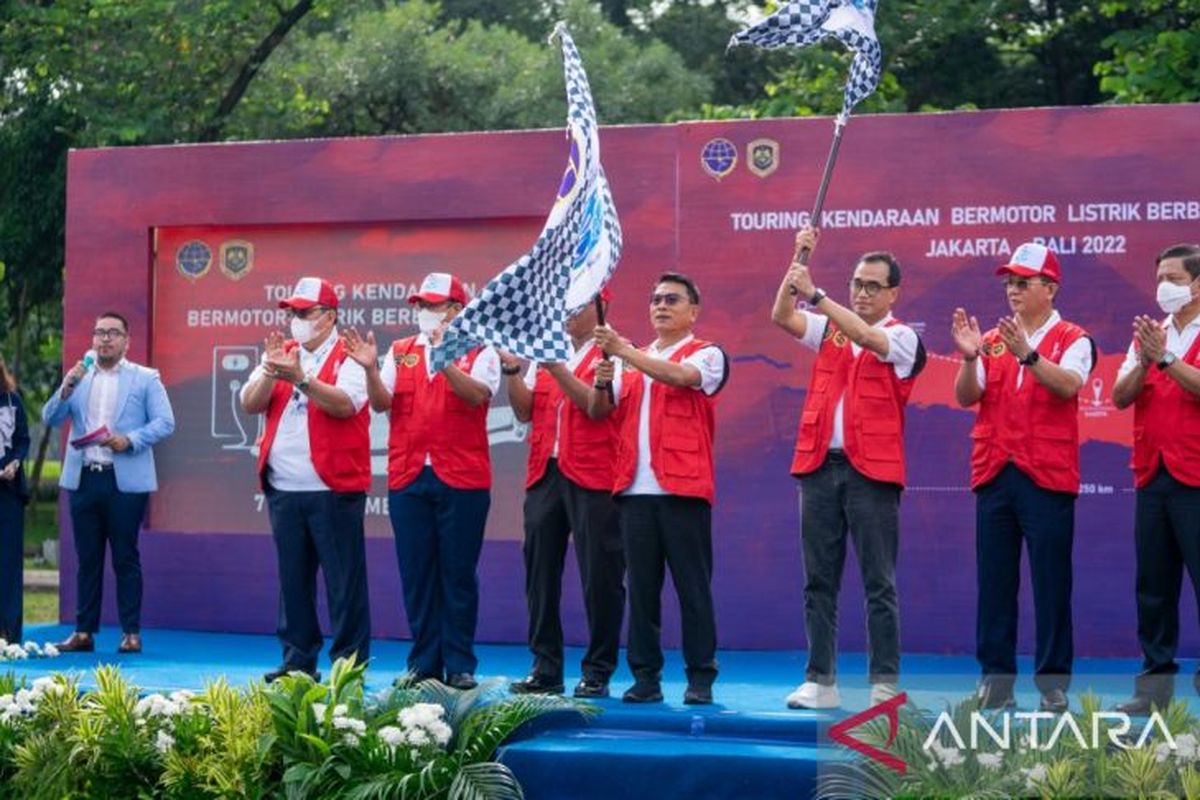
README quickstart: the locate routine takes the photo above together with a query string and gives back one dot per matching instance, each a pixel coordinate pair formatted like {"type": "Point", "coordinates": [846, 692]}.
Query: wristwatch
{"type": "Point", "coordinates": [1031, 359]}
{"type": "Point", "coordinates": [817, 297]}
{"type": "Point", "coordinates": [513, 370]}
{"type": "Point", "coordinates": [1167, 360]}
{"type": "Point", "coordinates": [303, 383]}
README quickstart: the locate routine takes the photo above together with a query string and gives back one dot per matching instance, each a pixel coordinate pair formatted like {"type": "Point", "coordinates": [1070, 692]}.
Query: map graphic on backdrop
{"type": "Point", "coordinates": [951, 194]}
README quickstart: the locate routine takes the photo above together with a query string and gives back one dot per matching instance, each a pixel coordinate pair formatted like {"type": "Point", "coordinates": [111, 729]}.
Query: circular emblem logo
{"type": "Point", "coordinates": [998, 349]}
{"type": "Point", "coordinates": [193, 259]}
{"type": "Point", "coordinates": [840, 339]}
{"type": "Point", "coordinates": [410, 360]}
{"type": "Point", "coordinates": [718, 157]}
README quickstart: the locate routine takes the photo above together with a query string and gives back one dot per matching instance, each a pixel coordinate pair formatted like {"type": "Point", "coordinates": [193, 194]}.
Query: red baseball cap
{"type": "Point", "coordinates": [311, 292]}
{"type": "Point", "coordinates": [1033, 260]}
{"type": "Point", "coordinates": [438, 287]}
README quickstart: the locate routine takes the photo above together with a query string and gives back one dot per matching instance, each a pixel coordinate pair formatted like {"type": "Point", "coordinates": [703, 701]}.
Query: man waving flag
{"type": "Point", "coordinates": [805, 22]}
{"type": "Point", "coordinates": [524, 309]}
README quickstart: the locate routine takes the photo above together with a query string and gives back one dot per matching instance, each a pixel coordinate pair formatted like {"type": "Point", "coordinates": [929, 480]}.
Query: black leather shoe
{"type": "Point", "coordinates": [130, 643]}
{"type": "Point", "coordinates": [992, 697]}
{"type": "Point", "coordinates": [1054, 701]}
{"type": "Point", "coordinates": [284, 669]}
{"type": "Point", "coordinates": [463, 681]}
{"type": "Point", "coordinates": [591, 688]}
{"type": "Point", "coordinates": [536, 684]}
{"type": "Point", "coordinates": [643, 692]}
{"type": "Point", "coordinates": [1141, 705]}
{"type": "Point", "coordinates": [697, 696]}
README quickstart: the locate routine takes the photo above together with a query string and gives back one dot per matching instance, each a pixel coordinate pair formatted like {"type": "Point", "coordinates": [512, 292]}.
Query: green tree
{"type": "Point", "coordinates": [1155, 53]}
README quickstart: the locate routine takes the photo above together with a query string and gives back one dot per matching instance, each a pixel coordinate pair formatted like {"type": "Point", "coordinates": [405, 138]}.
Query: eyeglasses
{"type": "Point", "coordinates": [667, 299]}
{"type": "Point", "coordinates": [108, 333]}
{"type": "Point", "coordinates": [872, 288]}
{"type": "Point", "coordinates": [308, 313]}
{"type": "Point", "coordinates": [1020, 284]}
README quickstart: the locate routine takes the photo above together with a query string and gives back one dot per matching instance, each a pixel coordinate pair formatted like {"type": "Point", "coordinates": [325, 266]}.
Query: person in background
{"type": "Point", "coordinates": [14, 449]}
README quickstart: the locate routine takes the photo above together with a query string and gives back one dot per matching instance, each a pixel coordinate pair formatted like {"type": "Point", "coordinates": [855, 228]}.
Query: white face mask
{"type": "Point", "coordinates": [1172, 296]}
{"type": "Point", "coordinates": [428, 320]}
{"type": "Point", "coordinates": [303, 330]}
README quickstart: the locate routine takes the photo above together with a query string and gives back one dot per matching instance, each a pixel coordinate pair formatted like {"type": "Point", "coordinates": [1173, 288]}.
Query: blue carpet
{"type": "Point", "coordinates": [747, 745]}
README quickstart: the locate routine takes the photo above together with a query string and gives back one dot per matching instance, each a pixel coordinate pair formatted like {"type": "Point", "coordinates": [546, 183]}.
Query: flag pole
{"type": "Point", "coordinates": [600, 321]}
{"type": "Point", "coordinates": [826, 177]}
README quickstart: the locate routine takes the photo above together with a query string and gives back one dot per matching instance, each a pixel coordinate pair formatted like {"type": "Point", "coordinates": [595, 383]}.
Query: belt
{"type": "Point", "coordinates": [97, 467]}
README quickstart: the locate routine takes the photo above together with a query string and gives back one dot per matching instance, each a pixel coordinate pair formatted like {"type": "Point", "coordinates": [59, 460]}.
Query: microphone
{"type": "Point", "coordinates": [89, 359]}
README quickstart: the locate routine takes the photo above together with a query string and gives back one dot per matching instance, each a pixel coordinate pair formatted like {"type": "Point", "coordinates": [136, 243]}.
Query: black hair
{"type": "Point", "coordinates": [1190, 253]}
{"type": "Point", "coordinates": [676, 277]}
{"type": "Point", "coordinates": [892, 264]}
{"type": "Point", "coordinates": [115, 315]}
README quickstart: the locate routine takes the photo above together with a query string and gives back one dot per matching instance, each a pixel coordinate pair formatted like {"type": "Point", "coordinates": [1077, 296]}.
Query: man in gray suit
{"type": "Point", "coordinates": [123, 411]}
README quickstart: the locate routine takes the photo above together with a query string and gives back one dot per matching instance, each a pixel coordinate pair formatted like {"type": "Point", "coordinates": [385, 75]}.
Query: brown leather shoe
{"type": "Point", "coordinates": [77, 642]}
{"type": "Point", "coordinates": [130, 643]}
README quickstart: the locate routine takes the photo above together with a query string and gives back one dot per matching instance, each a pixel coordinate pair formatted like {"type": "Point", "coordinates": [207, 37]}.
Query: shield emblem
{"type": "Point", "coordinates": [237, 259]}
{"type": "Point", "coordinates": [762, 156]}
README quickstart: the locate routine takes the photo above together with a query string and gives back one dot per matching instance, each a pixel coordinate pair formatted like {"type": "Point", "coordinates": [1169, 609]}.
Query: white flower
{"type": "Point", "coordinates": [349, 724]}
{"type": "Point", "coordinates": [319, 710]}
{"type": "Point", "coordinates": [1034, 775]}
{"type": "Point", "coordinates": [32, 648]}
{"type": "Point", "coordinates": [14, 652]}
{"type": "Point", "coordinates": [1186, 747]}
{"type": "Point", "coordinates": [50, 651]}
{"type": "Point", "coordinates": [340, 710]}
{"type": "Point", "coordinates": [3, 643]}
{"type": "Point", "coordinates": [182, 698]}
{"type": "Point", "coordinates": [949, 756]}
{"type": "Point", "coordinates": [350, 740]}
{"type": "Point", "coordinates": [164, 742]}
{"type": "Point", "coordinates": [392, 736]}
{"type": "Point", "coordinates": [155, 705]}
{"type": "Point", "coordinates": [990, 760]}
{"type": "Point", "coordinates": [418, 737]}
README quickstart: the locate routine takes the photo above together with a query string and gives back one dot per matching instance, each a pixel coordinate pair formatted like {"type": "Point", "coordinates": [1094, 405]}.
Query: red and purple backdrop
{"type": "Point", "coordinates": [197, 243]}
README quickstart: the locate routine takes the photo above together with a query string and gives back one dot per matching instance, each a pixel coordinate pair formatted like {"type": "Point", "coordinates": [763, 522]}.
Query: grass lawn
{"type": "Point", "coordinates": [41, 606]}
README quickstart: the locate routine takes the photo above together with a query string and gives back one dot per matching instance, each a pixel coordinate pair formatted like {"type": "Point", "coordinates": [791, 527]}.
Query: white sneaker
{"type": "Point", "coordinates": [882, 692]}
{"type": "Point", "coordinates": [813, 695]}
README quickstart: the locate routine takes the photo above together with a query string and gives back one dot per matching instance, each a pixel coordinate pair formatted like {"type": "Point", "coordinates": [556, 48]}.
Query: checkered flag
{"type": "Point", "coordinates": [805, 22]}
{"type": "Point", "coordinates": [524, 309]}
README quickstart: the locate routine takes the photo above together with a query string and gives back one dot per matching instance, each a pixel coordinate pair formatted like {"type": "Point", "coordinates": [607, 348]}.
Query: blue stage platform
{"type": "Point", "coordinates": [747, 745]}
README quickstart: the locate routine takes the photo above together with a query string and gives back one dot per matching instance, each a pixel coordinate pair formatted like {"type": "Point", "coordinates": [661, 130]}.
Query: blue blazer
{"type": "Point", "coordinates": [143, 413]}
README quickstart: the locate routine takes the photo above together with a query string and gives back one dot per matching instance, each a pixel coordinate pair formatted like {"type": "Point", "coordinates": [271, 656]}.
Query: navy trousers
{"type": "Point", "coordinates": [439, 534]}
{"type": "Point", "coordinates": [325, 530]}
{"type": "Point", "coordinates": [102, 514]}
{"type": "Point", "coordinates": [1166, 533]}
{"type": "Point", "coordinates": [12, 556]}
{"type": "Point", "coordinates": [556, 508]}
{"type": "Point", "coordinates": [1008, 510]}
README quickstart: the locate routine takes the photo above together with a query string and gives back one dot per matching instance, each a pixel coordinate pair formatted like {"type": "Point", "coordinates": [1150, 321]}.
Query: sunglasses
{"type": "Point", "coordinates": [1021, 284]}
{"type": "Point", "coordinates": [872, 288]}
{"type": "Point", "coordinates": [667, 299]}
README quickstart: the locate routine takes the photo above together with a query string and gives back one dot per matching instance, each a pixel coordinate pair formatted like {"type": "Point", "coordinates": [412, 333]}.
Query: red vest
{"type": "Point", "coordinates": [429, 419]}
{"type": "Point", "coordinates": [340, 448]}
{"type": "Point", "coordinates": [1029, 426]}
{"type": "Point", "coordinates": [872, 411]}
{"type": "Point", "coordinates": [586, 447]}
{"type": "Point", "coordinates": [1166, 427]}
{"type": "Point", "coordinates": [682, 426]}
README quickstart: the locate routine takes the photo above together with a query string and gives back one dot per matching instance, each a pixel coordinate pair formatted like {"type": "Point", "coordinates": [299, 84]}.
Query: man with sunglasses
{"type": "Point", "coordinates": [849, 459]}
{"type": "Point", "coordinates": [122, 409]}
{"type": "Point", "coordinates": [1161, 379]}
{"type": "Point", "coordinates": [664, 482]}
{"type": "Point", "coordinates": [1025, 375]}
{"type": "Point", "coordinates": [314, 461]}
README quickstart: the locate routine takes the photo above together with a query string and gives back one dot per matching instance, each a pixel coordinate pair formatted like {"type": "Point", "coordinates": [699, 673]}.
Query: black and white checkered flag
{"type": "Point", "coordinates": [805, 22]}
{"type": "Point", "coordinates": [524, 309]}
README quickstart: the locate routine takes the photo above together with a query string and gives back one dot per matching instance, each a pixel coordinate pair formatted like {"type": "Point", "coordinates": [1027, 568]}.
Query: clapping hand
{"type": "Point", "coordinates": [1013, 337]}
{"type": "Point", "coordinates": [1151, 338]}
{"type": "Point", "coordinates": [965, 332]}
{"type": "Point", "coordinates": [363, 352]}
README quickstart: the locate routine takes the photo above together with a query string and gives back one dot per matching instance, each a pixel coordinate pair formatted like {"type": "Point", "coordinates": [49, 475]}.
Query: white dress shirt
{"type": "Point", "coordinates": [1077, 359]}
{"type": "Point", "coordinates": [902, 355]}
{"type": "Point", "coordinates": [102, 408]}
{"type": "Point", "coordinates": [572, 364]}
{"type": "Point", "coordinates": [289, 464]}
{"type": "Point", "coordinates": [711, 363]}
{"type": "Point", "coordinates": [1178, 343]}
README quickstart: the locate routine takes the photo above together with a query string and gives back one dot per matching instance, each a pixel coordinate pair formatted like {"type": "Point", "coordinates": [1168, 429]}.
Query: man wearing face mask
{"type": "Point", "coordinates": [314, 462]}
{"type": "Point", "coordinates": [1025, 375]}
{"type": "Point", "coordinates": [1161, 379]}
{"type": "Point", "coordinates": [569, 492]}
{"type": "Point", "coordinates": [665, 482]}
{"type": "Point", "coordinates": [850, 459]}
{"type": "Point", "coordinates": [439, 478]}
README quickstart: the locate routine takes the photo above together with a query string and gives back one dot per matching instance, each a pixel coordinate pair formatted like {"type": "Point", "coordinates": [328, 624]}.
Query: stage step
{"type": "Point", "coordinates": [635, 754]}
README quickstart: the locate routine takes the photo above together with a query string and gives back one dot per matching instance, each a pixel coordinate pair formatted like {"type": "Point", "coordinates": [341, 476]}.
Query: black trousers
{"type": "Point", "coordinates": [1166, 533]}
{"type": "Point", "coordinates": [556, 507]}
{"type": "Point", "coordinates": [439, 535]}
{"type": "Point", "coordinates": [325, 530]}
{"type": "Point", "coordinates": [669, 531]}
{"type": "Point", "coordinates": [102, 514]}
{"type": "Point", "coordinates": [1008, 510]}
{"type": "Point", "coordinates": [837, 499]}
{"type": "Point", "coordinates": [12, 559]}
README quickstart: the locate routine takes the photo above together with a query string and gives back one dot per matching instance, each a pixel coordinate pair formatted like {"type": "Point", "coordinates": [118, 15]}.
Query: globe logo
{"type": "Point", "coordinates": [193, 259]}
{"type": "Point", "coordinates": [718, 157]}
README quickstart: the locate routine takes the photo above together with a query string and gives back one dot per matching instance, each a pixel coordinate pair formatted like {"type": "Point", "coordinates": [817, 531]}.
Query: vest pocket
{"type": "Point", "coordinates": [806, 442]}
{"type": "Point", "coordinates": [880, 440]}
{"type": "Point", "coordinates": [681, 456]}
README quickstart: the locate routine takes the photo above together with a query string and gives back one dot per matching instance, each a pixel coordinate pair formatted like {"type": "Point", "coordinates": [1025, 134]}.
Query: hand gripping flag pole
{"type": "Point", "coordinates": [805, 22]}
